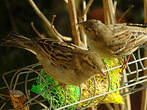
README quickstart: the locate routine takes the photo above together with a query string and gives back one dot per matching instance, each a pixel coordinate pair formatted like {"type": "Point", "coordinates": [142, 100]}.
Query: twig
{"type": "Point", "coordinates": [53, 19]}
{"type": "Point", "coordinates": [126, 12]}
{"type": "Point", "coordinates": [50, 27]}
{"type": "Point", "coordinates": [109, 12]}
{"type": "Point", "coordinates": [2, 106]}
{"type": "Point", "coordinates": [87, 7]}
{"type": "Point", "coordinates": [83, 18]}
{"type": "Point", "coordinates": [4, 95]}
{"type": "Point", "coordinates": [43, 105]}
{"type": "Point", "coordinates": [73, 20]}
{"type": "Point", "coordinates": [26, 86]}
{"type": "Point", "coordinates": [106, 19]}
{"type": "Point", "coordinates": [64, 37]}
{"type": "Point", "coordinates": [84, 8]}
{"type": "Point", "coordinates": [36, 31]}
{"type": "Point", "coordinates": [115, 5]}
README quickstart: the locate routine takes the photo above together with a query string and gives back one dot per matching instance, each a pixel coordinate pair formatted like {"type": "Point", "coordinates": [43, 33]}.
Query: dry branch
{"type": "Point", "coordinates": [126, 12]}
{"type": "Point", "coordinates": [84, 16]}
{"type": "Point", "coordinates": [84, 8]}
{"type": "Point", "coordinates": [36, 31]}
{"type": "Point", "coordinates": [53, 19]}
{"type": "Point", "coordinates": [109, 12]}
{"type": "Point", "coordinates": [73, 20]}
{"type": "Point", "coordinates": [87, 7]}
{"type": "Point", "coordinates": [52, 31]}
{"type": "Point", "coordinates": [115, 5]}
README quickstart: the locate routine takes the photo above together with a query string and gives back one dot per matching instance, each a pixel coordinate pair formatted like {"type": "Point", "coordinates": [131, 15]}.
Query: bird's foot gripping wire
{"type": "Point", "coordinates": [125, 64]}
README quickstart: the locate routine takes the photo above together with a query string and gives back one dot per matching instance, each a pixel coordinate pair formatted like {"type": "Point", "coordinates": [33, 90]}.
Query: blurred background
{"type": "Point", "coordinates": [16, 15]}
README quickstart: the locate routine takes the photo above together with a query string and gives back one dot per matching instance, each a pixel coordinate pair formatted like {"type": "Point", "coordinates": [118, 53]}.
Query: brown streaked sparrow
{"type": "Point", "coordinates": [66, 63]}
{"type": "Point", "coordinates": [114, 40]}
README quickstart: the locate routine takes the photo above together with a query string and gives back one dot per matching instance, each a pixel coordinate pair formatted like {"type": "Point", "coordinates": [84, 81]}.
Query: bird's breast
{"type": "Point", "coordinates": [101, 48]}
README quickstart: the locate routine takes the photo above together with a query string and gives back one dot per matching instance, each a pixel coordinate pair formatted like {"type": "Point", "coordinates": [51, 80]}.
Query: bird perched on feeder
{"type": "Point", "coordinates": [66, 63]}
{"type": "Point", "coordinates": [114, 40]}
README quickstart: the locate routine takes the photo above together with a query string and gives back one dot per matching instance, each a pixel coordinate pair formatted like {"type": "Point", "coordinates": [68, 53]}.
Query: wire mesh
{"type": "Point", "coordinates": [26, 76]}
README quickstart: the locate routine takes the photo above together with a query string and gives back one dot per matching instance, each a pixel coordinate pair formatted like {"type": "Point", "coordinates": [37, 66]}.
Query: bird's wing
{"type": "Point", "coordinates": [59, 53]}
{"type": "Point", "coordinates": [127, 37]}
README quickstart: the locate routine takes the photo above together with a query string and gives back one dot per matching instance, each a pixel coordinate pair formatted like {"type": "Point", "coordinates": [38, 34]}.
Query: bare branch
{"type": "Point", "coordinates": [84, 8]}
{"type": "Point", "coordinates": [73, 20]}
{"type": "Point", "coordinates": [109, 12]}
{"type": "Point", "coordinates": [53, 19]}
{"type": "Point", "coordinates": [87, 8]}
{"type": "Point", "coordinates": [126, 12]}
{"type": "Point", "coordinates": [53, 32]}
{"type": "Point", "coordinates": [36, 31]}
{"type": "Point", "coordinates": [83, 35]}
{"type": "Point", "coordinates": [115, 5]}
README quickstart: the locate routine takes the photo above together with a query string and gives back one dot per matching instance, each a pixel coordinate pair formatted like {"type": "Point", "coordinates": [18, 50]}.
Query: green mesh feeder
{"type": "Point", "coordinates": [102, 84]}
{"type": "Point", "coordinates": [56, 94]}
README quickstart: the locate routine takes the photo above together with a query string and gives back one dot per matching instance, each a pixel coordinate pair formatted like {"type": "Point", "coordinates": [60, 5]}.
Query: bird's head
{"type": "Point", "coordinates": [92, 26]}
{"type": "Point", "coordinates": [94, 29]}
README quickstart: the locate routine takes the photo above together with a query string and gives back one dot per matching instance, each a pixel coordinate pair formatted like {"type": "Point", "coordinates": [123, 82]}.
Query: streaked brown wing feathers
{"type": "Point", "coordinates": [59, 53]}
{"type": "Point", "coordinates": [126, 37]}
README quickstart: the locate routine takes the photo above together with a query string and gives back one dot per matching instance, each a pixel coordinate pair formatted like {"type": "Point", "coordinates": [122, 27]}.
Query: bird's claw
{"type": "Point", "coordinates": [103, 73]}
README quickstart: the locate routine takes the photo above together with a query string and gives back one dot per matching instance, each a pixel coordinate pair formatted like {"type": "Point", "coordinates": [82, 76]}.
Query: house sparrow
{"type": "Point", "coordinates": [114, 40]}
{"type": "Point", "coordinates": [66, 63]}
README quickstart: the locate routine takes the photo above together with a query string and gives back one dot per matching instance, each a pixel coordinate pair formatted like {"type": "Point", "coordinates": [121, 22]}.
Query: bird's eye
{"type": "Point", "coordinates": [94, 67]}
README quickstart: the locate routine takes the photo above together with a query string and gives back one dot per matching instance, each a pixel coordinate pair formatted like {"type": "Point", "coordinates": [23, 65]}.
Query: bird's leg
{"type": "Point", "coordinates": [103, 73]}
{"type": "Point", "coordinates": [125, 63]}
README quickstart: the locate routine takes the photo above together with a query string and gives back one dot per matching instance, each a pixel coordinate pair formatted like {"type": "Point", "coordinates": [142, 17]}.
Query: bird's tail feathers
{"type": "Point", "coordinates": [141, 40]}
{"type": "Point", "coordinates": [16, 40]}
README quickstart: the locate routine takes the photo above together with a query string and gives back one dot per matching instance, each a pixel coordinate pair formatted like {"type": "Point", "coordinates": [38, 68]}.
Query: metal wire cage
{"type": "Point", "coordinates": [132, 80]}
